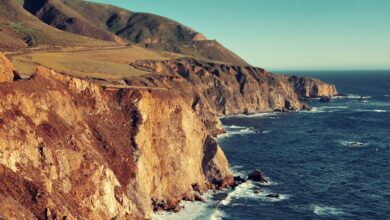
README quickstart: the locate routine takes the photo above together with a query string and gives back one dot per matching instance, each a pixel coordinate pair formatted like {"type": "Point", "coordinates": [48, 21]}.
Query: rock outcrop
{"type": "Point", "coordinates": [311, 87]}
{"type": "Point", "coordinates": [6, 69]}
{"type": "Point", "coordinates": [72, 149]}
{"type": "Point", "coordinates": [221, 89]}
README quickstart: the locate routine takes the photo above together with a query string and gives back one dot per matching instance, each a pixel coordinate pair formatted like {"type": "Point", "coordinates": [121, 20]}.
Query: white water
{"type": "Point", "coordinates": [256, 115]}
{"type": "Point", "coordinates": [351, 96]}
{"type": "Point", "coordinates": [323, 210]}
{"type": "Point", "coordinates": [353, 143]}
{"type": "Point", "coordinates": [236, 130]}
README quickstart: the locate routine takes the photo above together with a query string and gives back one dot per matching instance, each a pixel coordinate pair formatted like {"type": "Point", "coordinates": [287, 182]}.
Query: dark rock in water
{"type": "Point", "coordinates": [256, 192]}
{"type": "Point", "coordinates": [258, 176]}
{"type": "Point", "coordinates": [238, 180]}
{"type": "Point", "coordinates": [306, 107]}
{"type": "Point", "coordinates": [199, 198]}
{"type": "Point", "coordinates": [273, 195]}
{"type": "Point", "coordinates": [361, 99]}
{"type": "Point", "coordinates": [325, 99]}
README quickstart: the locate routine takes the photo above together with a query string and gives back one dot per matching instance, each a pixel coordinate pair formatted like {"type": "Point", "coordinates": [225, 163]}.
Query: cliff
{"type": "Point", "coordinates": [215, 89]}
{"type": "Point", "coordinates": [71, 148]}
{"type": "Point", "coordinates": [6, 69]}
{"type": "Point", "coordinates": [311, 87]}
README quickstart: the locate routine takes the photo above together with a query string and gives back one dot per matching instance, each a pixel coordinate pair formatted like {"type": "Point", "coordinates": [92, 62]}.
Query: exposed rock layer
{"type": "Point", "coordinates": [6, 69]}
{"type": "Point", "coordinates": [311, 87]}
{"type": "Point", "coordinates": [71, 148]}
{"type": "Point", "coordinates": [220, 89]}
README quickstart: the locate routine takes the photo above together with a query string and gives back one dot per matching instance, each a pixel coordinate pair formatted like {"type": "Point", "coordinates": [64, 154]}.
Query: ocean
{"type": "Point", "coordinates": [330, 163]}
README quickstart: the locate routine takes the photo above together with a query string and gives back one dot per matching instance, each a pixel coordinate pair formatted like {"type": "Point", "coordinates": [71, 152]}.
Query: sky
{"type": "Point", "coordinates": [287, 34]}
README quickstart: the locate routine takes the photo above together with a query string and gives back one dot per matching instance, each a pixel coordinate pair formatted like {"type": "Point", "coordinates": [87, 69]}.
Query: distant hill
{"type": "Point", "coordinates": [111, 23]}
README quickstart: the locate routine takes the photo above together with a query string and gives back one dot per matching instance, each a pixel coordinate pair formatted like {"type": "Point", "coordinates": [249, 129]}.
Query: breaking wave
{"type": "Point", "coordinates": [353, 143]}
{"type": "Point", "coordinates": [236, 130]}
{"type": "Point", "coordinates": [217, 215]}
{"type": "Point", "coordinates": [322, 210]}
{"type": "Point", "coordinates": [323, 109]}
{"type": "Point", "coordinates": [256, 115]}
{"type": "Point", "coordinates": [352, 96]}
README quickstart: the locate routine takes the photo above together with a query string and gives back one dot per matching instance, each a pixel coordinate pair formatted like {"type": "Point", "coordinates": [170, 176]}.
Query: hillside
{"type": "Point", "coordinates": [110, 23]}
{"type": "Point", "coordinates": [19, 29]}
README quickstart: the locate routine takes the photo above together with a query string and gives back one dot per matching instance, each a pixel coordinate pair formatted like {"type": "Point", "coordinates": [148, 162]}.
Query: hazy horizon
{"type": "Point", "coordinates": [281, 35]}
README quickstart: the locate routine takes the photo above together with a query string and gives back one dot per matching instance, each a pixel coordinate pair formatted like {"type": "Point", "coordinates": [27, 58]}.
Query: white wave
{"type": "Point", "coordinates": [353, 143]}
{"type": "Point", "coordinates": [336, 107]}
{"type": "Point", "coordinates": [323, 109]}
{"type": "Point", "coordinates": [247, 190]}
{"type": "Point", "coordinates": [315, 110]}
{"type": "Point", "coordinates": [379, 110]}
{"type": "Point", "coordinates": [326, 210]}
{"type": "Point", "coordinates": [351, 96]}
{"type": "Point", "coordinates": [192, 210]}
{"type": "Point", "coordinates": [242, 190]}
{"type": "Point", "coordinates": [256, 115]}
{"type": "Point", "coordinates": [233, 132]}
{"type": "Point", "coordinates": [237, 171]}
{"type": "Point", "coordinates": [371, 110]}
{"type": "Point", "coordinates": [386, 95]}
{"type": "Point", "coordinates": [233, 127]}
{"type": "Point", "coordinates": [217, 215]}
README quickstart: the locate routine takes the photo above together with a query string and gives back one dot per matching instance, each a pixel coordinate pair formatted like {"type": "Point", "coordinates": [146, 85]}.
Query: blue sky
{"type": "Point", "coordinates": [287, 34]}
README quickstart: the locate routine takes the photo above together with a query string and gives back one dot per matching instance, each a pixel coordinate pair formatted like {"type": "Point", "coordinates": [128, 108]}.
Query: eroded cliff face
{"type": "Point", "coordinates": [221, 89]}
{"type": "Point", "coordinates": [311, 87]}
{"type": "Point", "coordinates": [71, 148]}
{"type": "Point", "coordinates": [6, 69]}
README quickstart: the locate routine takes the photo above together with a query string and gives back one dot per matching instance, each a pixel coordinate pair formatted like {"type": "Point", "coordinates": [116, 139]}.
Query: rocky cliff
{"type": "Point", "coordinates": [215, 89]}
{"type": "Point", "coordinates": [6, 69]}
{"type": "Point", "coordinates": [311, 87]}
{"type": "Point", "coordinates": [70, 148]}
{"type": "Point", "coordinates": [73, 149]}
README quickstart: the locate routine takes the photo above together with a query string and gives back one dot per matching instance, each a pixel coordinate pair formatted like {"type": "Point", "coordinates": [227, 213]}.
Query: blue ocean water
{"type": "Point", "coordinates": [330, 163]}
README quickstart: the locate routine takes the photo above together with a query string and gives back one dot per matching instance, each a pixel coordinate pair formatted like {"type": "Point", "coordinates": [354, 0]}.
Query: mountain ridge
{"type": "Point", "coordinates": [106, 24]}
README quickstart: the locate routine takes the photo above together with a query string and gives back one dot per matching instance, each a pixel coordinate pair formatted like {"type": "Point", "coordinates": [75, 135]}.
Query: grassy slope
{"type": "Point", "coordinates": [109, 64]}
{"type": "Point", "coordinates": [16, 25]}
{"type": "Point", "coordinates": [95, 20]}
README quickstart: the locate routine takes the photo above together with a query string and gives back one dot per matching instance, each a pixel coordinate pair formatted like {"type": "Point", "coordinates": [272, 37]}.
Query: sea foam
{"type": "Point", "coordinates": [236, 130]}
{"type": "Point", "coordinates": [256, 115]}
{"type": "Point", "coordinates": [322, 210]}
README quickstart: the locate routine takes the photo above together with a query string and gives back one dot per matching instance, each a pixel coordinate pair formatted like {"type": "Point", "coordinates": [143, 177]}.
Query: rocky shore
{"type": "Point", "coordinates": [71, 148]}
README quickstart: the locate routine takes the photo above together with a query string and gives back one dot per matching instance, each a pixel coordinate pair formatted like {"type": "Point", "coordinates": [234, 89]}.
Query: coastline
{"type": "Point", "coordinates": [183, 119]}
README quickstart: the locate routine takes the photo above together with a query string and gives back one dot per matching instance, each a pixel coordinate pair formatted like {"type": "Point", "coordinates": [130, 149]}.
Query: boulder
{"type": "Point", "coordinates": [273, 195]}
{"type": "Point", "coordinates": [199, 198]}
{"type": "Point", "coordinates": [6, 69]}
{"type": "Point", "coordinates": [306, 107]}
{"type": "Point", "coordinates": [238, 180]}
{"type": "Point", "coordinates": [258, 176]}
{"type": "Point", "coordinates": [325, 99]}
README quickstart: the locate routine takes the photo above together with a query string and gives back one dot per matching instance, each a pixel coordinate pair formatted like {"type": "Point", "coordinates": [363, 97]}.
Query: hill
{"type": "Point", "coordinates": [111, 23]}
{"type": "Point", "coordinates": [19, 29]}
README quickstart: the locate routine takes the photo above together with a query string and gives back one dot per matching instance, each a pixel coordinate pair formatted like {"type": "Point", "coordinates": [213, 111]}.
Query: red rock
{"type": "Point", "coordinates": [6, 69]}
